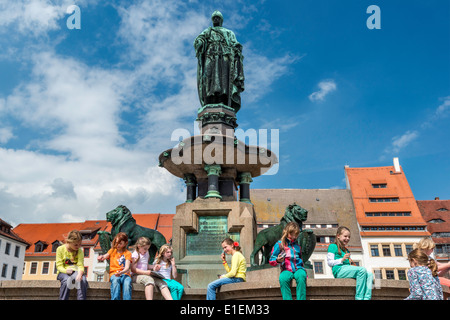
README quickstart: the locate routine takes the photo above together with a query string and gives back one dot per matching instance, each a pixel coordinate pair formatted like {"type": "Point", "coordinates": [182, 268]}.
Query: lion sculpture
{"type": "Point", "coordinates": [266, 239]}
{"type": "Point", "coordinates": [122, 221]}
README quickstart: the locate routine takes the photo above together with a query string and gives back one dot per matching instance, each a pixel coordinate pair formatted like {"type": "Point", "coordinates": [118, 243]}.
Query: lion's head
{"type": "Point", "coordinates": [295, 213]}
{"type": "Point", "coordinates": [118, 215]}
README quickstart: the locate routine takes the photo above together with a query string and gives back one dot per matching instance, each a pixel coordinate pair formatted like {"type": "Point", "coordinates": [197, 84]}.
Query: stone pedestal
{"type": "Point", "coordinates": [197, 245]}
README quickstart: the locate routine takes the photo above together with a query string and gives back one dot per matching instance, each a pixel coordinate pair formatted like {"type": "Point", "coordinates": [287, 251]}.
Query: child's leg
{"type": "Point", "coordinates": [115, 287]}
{"type": "Point", "coordinates": [300, 278]}
{"type": "Point", "coordinates": [285, 284]}
{"type": "Point", "coordinates": [211, 290]}
{"type": "Point", "coordinates": [358, 273]}
{"type": "Point", "coordinates": [163, 288]}
{"type": "Point", "coordinates": [176, 289]}
{"type": "Point", "coordinates": [127, 287]}
{"type": "Point", "coordinates": [82, 291]}
{"type": "Point", "coordinates": [63, 290]}
{"type": "Point", "coordinates": [369, 281]}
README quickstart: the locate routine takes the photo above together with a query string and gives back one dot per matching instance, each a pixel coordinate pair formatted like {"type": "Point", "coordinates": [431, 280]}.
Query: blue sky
{"type": "Point", "coordinates": [85, 113]}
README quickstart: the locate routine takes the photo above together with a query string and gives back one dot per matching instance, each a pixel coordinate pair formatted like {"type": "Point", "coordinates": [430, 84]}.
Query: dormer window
{"type": "Point", "coordinates": [442, 209]}
{"type": "Point", "coordinates": [39, 246]}
{"type": "Point", "coordinates": [55, 245]}
{"type": "Point", "coordinates": [379, 185]}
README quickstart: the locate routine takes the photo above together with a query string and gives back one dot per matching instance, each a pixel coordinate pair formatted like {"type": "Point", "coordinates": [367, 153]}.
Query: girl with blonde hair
{"type": "Point", "coordinates": [165, 264]}
{"type": "Point", "coordinates": [423, 280]}
{"type": "Point", "coordinates": [141, 270]}
{"type": "Point", "coordinates": [428, 245]}
{"type": "Point", "coordinates": [70, 266]}
{"type": "Point", "coordinates": [287, 253]}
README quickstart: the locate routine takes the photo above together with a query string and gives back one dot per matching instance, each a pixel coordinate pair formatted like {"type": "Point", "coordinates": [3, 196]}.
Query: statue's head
{"type": "Point", "coordinates": [115, 215]}
{"type": "Point", "coordinates": [217, 18]}
{"type": "Point", "coordinates": [296, 213]}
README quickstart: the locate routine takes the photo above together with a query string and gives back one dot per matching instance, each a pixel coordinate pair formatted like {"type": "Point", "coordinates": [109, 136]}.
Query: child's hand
{"type": "Point", "coordinates": [172, 261]}
{"type": "Point", "coordinates": [223, 256]}
{"type": "Point", "coordinates": [156, 267]}
{"type": "Point", "coordinates": [346, 256]}
{"type": "Point", "coordinates": [69, 271]}
{"type": "Point", "coordinates": [100, 258]}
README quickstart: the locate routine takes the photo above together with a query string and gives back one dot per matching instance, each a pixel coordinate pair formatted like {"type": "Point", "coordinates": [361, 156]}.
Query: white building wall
{"type": "Point", "coordinates": [9, 261]}
{"type": "Point", "coordinates": [382, 262]}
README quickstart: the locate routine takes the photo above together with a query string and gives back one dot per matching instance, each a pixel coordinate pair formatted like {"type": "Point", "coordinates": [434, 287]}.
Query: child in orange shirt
{"type": "Point", "coordinates": [119, 267]}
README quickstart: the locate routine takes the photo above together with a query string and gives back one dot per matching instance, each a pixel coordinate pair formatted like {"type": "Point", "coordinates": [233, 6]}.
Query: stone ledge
{"type": "Point", "coordinates": [317, 289]}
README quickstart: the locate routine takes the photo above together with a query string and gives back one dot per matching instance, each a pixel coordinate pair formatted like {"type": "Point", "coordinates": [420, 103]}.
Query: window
{"type": "Point", "coordinates": [86, 252]}
{"type": "Point", "coordinates": [398, 250]}
{"type": "Point", "coordinates": [45, 266]}
{"type": "Point", "coordinates": [442, 209]}
{"type": "Point", "coordinates": [435, 221]}
{"type": "Point", "coordinates": [55, 245]}
{"type": "Point", "coordinates": [379, 185]}
{"type": "Point", "coordinates": [384, 200]}
{"type": "Point", "coordinates": [390, 274]}
{"type": "Point", "coordinates": [377, 274]}
{"type": "Point", "coordinates": [7, 248]}
{"type": "Point", "coordinates": [33, 268]}
{"type": "Point", "coordinates": [4, 270]}
{"type": "Point", "coordinates": [13, 273]}
{"type": "Point", "coordinates": [388, 214]}
{"type": "Point", "coordinates": [17, 252]}
{"type": "Point", "coordinates": [374, 250]}
{"type": "Point", "coordinates": [386, 250]}
{"type": "Point", "coordinates": [441, 234]}
{"type": "Point", "coordinates": [401, 274]}
{"type": "Point", "coordinates": [318, 267]}
{"type": "Point", "coordinates": [38, 246]}
{"type": "Point", "coordinates": [409, 248]}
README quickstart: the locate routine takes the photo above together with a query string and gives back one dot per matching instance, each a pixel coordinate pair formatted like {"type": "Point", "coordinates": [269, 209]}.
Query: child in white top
{"type": "Point", "coordinates": [165, 264]}
{"type": "Point", "coordinates": [141, 270]}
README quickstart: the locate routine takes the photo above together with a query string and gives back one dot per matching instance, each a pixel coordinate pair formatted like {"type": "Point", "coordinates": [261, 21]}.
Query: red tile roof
{"type": "Point", "coordinates": [437, 215]}
{"type": "Point", "coordinates": [362, 181]}
{"type": "Point", "coordinates": [6, 231]}
{"type": "Point", "coordinates": [48, 233]}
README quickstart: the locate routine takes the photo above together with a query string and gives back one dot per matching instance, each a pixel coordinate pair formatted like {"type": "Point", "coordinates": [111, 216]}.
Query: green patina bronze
{"type": "Point", "coordinates": [122, 221]}
{"type": "Point", "coordinates": [266, 239]}
{"type": "Point", "coordinates": [220, 71]}
{"type": "Point", "coordinates": [212, 230]}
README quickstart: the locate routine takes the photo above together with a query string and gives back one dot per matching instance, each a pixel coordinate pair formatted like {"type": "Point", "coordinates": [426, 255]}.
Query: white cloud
{"type": "Point", "coordinates": [325, 87]}
{"type": "Point", "coordinates": [402, 141]}
{"type": "Point", "coordinates": [81, 162]}
{"type": "Point", "coordinates": [5, 135]}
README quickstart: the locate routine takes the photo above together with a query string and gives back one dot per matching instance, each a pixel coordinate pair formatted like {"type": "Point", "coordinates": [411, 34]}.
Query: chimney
{"type": "Point", "coordinates": [396, 166]}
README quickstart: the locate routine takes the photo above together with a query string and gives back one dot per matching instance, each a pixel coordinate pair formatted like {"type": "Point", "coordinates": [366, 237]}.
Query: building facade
{"type": "Point", "coordinates": [12, 253]}
{"type": "Point", "coordinates": [389, 219]}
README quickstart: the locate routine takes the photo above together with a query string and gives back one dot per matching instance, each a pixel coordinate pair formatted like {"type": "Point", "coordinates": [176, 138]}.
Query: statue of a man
{"type": "Point", "coordinates": [220, 71]}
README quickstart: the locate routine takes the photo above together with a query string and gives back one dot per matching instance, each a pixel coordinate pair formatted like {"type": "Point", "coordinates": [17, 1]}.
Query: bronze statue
{"type": "Point", "coordinates": [266, 239]}
{"type": "Point", "coordinates": [122, 221]}
{"type": "Point", "coordinates": [220, 71]}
